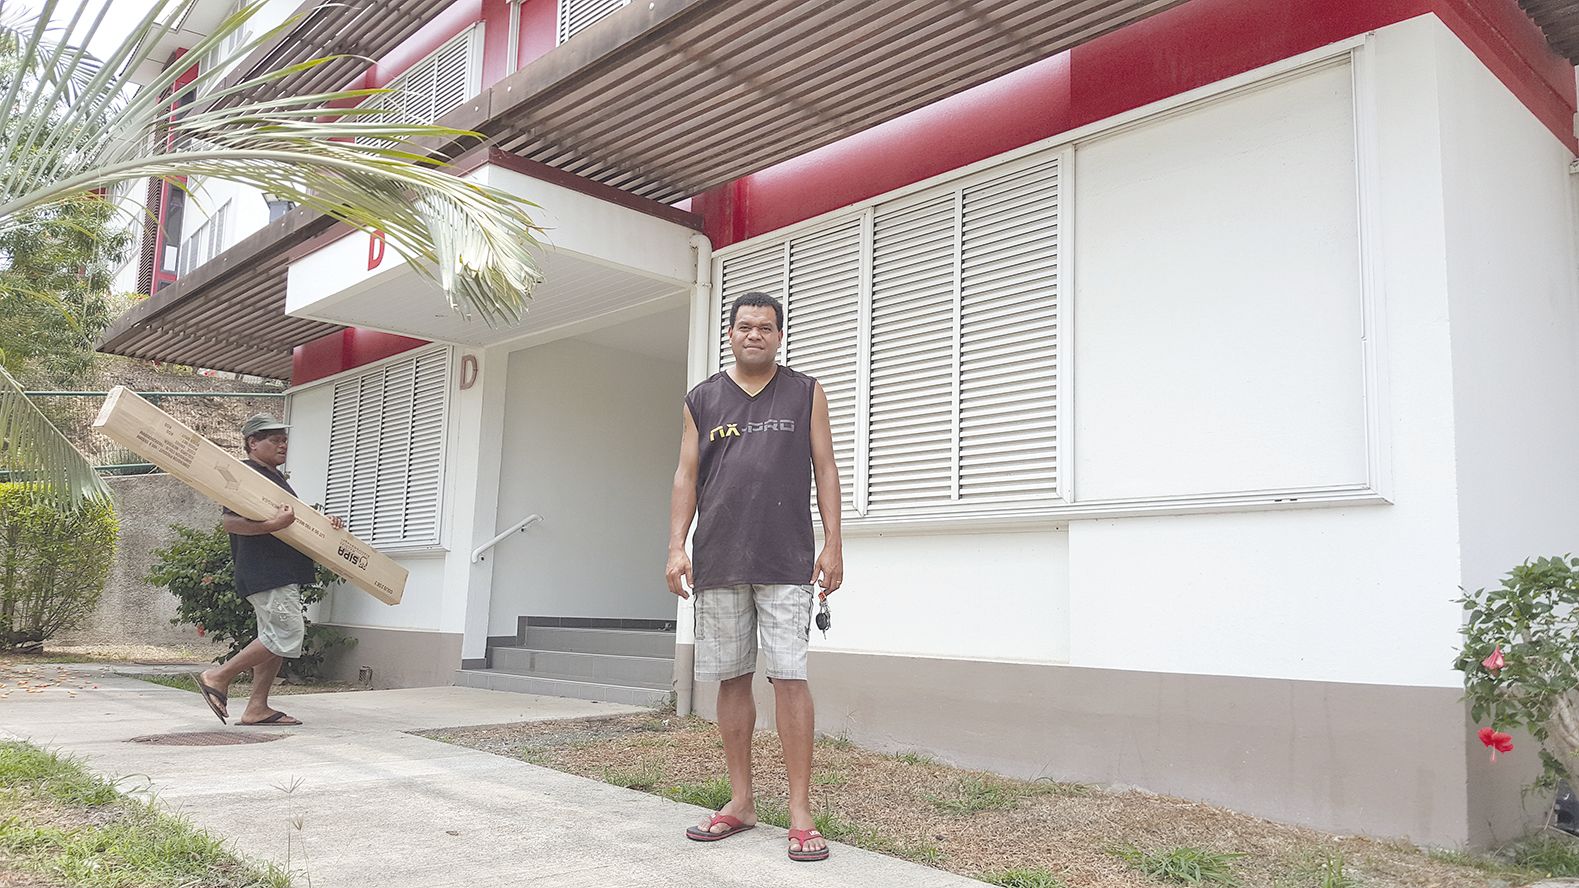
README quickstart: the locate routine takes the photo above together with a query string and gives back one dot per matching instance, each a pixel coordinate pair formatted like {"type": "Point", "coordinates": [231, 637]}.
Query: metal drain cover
{"type": "Point", "coordinates": [206, 738]}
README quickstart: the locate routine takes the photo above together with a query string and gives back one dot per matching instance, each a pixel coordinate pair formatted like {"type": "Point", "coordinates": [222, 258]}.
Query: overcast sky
{"type": "Point", "coordinates": [118, 22]}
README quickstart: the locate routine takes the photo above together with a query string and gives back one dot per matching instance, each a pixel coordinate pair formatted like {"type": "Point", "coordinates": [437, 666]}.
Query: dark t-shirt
{"type": "Point", "coordinates": [753, 484]}
{"type": "Point", "coordinates": [267, 562]}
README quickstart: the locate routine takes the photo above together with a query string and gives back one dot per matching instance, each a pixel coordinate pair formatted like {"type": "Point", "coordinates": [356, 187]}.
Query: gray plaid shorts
{"type": "Point", "coordinates": [281, 624]}
{"type": "Point", "coordinates": [727, 623]}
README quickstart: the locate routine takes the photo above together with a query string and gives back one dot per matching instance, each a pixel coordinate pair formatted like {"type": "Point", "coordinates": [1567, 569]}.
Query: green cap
{"type": "Point", "coordinates": [260, 423]}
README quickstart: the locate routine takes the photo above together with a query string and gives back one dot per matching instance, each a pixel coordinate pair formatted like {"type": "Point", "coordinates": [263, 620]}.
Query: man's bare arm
{"type": "Point", "coordinates": [682, 507]}
{"type": "Point", "coordinates": [825, 469]}
{"type": "Point", "coordinates": [247, 527]}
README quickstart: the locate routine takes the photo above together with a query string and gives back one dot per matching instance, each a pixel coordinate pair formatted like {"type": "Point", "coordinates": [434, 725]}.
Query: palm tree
{"type": "Point", "coordinates": [73, 126]}
{"type": "Point", "coordinates": [34, 452]}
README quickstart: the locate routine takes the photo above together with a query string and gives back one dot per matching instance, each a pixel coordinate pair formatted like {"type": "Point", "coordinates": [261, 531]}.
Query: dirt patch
{"type": "Point", "coordinates": [975, 823]}
{"type": "Point", "coordinates": [142, 654]}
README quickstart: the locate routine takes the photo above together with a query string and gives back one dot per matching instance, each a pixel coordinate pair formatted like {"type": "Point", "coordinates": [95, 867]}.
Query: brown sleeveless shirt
{"type": "Point", "coordinates": [753, 485]}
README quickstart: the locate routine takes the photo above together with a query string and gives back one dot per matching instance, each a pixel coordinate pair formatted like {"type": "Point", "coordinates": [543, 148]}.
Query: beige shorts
{"type": "Point", "coordinates": [281, 626]}
{"type": "Point", "coordinates": [728, 620]}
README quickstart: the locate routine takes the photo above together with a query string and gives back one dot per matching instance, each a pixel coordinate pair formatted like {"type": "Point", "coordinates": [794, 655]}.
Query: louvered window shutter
{"type": "Point", "coordinates": [823, 339]}
{"type": "Point", "coordinates": [1008, 388]}
{"type": "Point", "coordinates": [386, 451]}
{"type": "Point", "coordinates": [577, 15]}
{"type": "Point", "coordinates": [932, 322]}
{"type": "Point", "coordinates": [432, 87]}
{"type": "Point", "coordinates": [424, 477]}
{"type": "Point", "coordinates": [912, 335]}
{"type": "Point", "coordinates": [760, 271]}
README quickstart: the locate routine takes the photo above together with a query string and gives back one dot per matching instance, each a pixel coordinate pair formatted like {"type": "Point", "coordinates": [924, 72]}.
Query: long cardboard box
{"type": "Point", "coordinates": [164, 441]}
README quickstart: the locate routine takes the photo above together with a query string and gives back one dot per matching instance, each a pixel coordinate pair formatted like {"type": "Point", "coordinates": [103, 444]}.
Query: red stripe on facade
{"type": "Point", "coordinates": [539, 34]}
{"type": "Point", "coordinates": [1189, 46]}
{"type": "Point", "coordinates": [1186, 47]}
{"type": "Point", "coordinates": [346, 350]}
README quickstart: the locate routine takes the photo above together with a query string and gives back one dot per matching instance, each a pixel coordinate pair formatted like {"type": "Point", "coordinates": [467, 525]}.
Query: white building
{"type": "Point", "coordinates": [1185, 360]}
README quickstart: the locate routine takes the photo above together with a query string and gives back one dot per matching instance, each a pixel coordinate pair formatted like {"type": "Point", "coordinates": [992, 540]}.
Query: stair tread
{"type": "Point", "coordinates": [537, 650]}
{"type": "Point", "coordinates": [587, 690]}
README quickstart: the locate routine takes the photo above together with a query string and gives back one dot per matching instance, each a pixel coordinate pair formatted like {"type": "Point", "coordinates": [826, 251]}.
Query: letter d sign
{"type": "Point", "coordinates": [375, 249]}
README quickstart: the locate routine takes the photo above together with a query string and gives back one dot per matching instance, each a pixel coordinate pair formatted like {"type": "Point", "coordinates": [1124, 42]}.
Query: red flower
{"type": "Point", "coordinates": [1494, 663]}
{"type": "Point", "coordinates": [201, 631]}
{"type": "Point", "coordinates": [1498, 741]}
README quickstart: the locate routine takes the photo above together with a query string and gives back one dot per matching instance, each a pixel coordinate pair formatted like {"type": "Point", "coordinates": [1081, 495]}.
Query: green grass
{"type": "Point", "coordinates": [972, 794]}
{"type": "Point", "coordinates": [67, 825]}
{"type": "Point", "coordinates": [1548, 855]}
{"type": "Point", "coordinates": [837, 828]}
{"type": "Point", "coordinates": [1320, 868]}
{"type": "Point", "coordinates": [1484, 863]}
{"type": "Point", "coordinates": [773, 813]}
{"type": "Point", "coordinates": [919, 759]}
{"type": "Point", "coordinates": [645, 778]}
{"type": "Point", "coordinates": [1038, 877]}
{"type": "Point", "coordinates": [1048, 786]}
{"type": "Point", "coordinates": [180, 681]}
{"type": "Point", "coordinates": [1183, 865]}
{"type": "Point", "coordinates": [26, 770]}
{"type": "Point", "coordinates": [829, 778]}
{"type": "Point", "coordinates": [835, 741]}
{"type": "Point", "coordinates": [712, 795]}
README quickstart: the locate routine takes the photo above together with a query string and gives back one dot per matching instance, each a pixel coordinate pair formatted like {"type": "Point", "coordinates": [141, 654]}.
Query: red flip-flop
{"type": "Point", "coordinates": [697, 834]}
{"type": "Point", "coordinates": [803, 836]}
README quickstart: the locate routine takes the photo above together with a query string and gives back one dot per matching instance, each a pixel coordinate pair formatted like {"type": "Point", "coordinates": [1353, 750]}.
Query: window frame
{"type": "Point", "coordinates": [1356, 52]}
{"type": "Point", "coordinates": [447, 354]}
{"type": "Point", "coordinates": [953, 186]}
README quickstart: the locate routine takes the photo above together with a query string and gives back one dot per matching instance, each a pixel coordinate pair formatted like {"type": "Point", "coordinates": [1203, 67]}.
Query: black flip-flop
{"type": "Point", "coordinates": [277, 718]}
{"type": "Point", "coordinates": [209, 695]}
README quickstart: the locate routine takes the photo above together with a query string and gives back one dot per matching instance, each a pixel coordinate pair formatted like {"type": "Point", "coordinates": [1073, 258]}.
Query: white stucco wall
{"type": "Point", "coordinates": [1514, 309]}
{"type": "Point", "coordinates": [1219, 345]}
{"type": "Point", "coordinates": [590, 439]}
{"type": "Point", "coordinates": [1357, 594]}
{"type": "Point", "coordinates": [424, 605]}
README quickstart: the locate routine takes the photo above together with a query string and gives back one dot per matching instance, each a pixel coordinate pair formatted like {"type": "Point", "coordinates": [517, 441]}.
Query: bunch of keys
{"type": "Point", "coordinates": [824, 618]}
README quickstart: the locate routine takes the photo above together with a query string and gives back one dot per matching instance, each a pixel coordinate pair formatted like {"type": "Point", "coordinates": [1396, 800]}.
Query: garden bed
{"type": "Point", "coordinates": [1035, 834]}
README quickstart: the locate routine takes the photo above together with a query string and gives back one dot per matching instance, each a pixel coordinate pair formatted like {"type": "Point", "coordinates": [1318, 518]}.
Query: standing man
{"type": "Point", "coordinates": [754, 435]}
{"type": "Point", "coordinates": [269, 574]}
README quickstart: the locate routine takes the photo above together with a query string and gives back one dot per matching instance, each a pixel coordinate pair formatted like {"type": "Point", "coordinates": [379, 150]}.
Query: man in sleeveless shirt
{"type": "Point", "coordinates": [754, 437]}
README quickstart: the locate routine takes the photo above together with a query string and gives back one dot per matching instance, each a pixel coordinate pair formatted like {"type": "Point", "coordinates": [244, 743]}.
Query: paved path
{"type": "Point", "coordinates": [380, 807]}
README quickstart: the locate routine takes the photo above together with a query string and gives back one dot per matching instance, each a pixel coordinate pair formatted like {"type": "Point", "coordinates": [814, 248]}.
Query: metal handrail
{"type": "Point", "coordinates": [520, 526]}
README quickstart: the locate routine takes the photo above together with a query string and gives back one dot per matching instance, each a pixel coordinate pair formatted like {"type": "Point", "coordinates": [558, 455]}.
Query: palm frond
{"type": "Point", "coordinates": [476, 243]}
{"type": "Point", "coordinates": [35, 453]}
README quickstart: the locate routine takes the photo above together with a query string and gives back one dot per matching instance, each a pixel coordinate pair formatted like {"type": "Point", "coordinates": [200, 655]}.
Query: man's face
{"type": "Point", "coordinates": [755, 336]}
{"type": "Point", "coordinates": [270, 448]}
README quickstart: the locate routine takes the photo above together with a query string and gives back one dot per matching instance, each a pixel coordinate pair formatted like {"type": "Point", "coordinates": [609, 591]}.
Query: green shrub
{"type": "Point", "coordinates": [53, 564]}
{"type": "Point", "coordinates": [197, 569]}
{"type": "Point", "coordinates": [1520, 661]}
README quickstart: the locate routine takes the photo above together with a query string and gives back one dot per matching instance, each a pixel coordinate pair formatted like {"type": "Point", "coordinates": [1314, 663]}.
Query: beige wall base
{"type": "Point", "coordinates": [1372, 759]}
{"type": "Point", "coordinates": [399, 658]}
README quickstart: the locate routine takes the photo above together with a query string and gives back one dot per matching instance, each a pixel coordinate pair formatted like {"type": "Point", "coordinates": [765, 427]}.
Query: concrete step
{"type": "Point", "coordinates": [641, 672]}
{"type": "Point", "coordinates": [554, 687]}
{"type": "Point", "coordinates": [622, 642]}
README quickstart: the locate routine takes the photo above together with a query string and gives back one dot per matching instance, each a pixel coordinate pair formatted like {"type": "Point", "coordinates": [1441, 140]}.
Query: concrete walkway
{"type": "Point", "coordinates": [379, 807]}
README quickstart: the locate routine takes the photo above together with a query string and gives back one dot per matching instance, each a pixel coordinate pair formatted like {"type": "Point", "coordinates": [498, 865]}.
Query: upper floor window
{"type": "Point", "coordinates": [932, 322]}
{"type": "Point", "coordinates": [578, 15]}
{"type": "Point", "coordinates": [434, 86]}
{"type": "Point", "coordinates": [206, 241]}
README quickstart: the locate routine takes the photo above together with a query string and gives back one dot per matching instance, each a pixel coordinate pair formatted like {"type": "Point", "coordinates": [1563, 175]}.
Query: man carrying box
{"type": "Point", "coordinates": [269, 574]}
